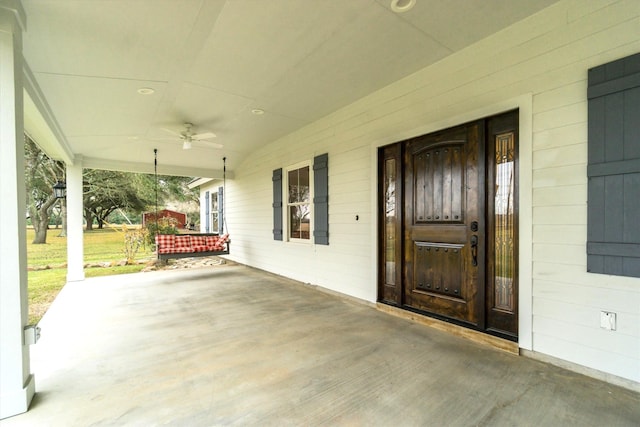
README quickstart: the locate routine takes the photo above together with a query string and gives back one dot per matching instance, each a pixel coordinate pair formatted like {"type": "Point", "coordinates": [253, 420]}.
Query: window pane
{"type": "Point", "coordinates": [303, 184]}
{"type": "Point", "coordinates": [214, 202]}
{"type": "Point", "coordinates": [299, 221]}
{"type": "Point", "coordinates": [293, 186]}
{"type": "Point", "coordinates": [299, 185]}
{"type": "Point", "coordinates": [214, 222]}
{"type": "Point", "coordinates": [504, 230]}
{"type": "Point", "coordinates": [390, 221]}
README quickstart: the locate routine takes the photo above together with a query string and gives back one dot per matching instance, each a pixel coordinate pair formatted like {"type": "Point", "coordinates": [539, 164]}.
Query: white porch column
{"type": "Point", "coordinates": [17, 385]}
{"type": "Point", "coordinates": [75, 243]}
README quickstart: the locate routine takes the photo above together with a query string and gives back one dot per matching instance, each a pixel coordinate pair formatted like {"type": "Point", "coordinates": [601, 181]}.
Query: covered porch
{"type": "Point", "coordinates": [232, 345]}
{"type": "Point", "coordinates": [281, 84]}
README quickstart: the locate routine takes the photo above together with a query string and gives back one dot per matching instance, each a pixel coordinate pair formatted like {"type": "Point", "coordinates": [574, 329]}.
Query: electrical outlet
{"type": "Point", "coordinates": [608, 320]}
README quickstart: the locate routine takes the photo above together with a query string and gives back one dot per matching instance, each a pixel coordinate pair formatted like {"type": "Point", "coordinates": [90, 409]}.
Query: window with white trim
{"type": "Point", "coordinates": [299, 202]}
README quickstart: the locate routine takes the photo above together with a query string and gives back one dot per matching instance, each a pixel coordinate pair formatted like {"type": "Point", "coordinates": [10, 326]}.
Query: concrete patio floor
{"type": "Point", "coordinates": [231, 345]}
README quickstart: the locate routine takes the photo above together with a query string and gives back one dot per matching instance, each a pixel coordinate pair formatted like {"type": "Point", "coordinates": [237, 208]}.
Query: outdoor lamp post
{"type": "Point", "coordinates": [60, 190]}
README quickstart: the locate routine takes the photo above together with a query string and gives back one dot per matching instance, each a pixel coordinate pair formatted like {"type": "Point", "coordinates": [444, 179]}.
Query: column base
{"type": "Point", "coordinates": [75, 277]}
{"type": "Point", "coordinates": [18, 402]}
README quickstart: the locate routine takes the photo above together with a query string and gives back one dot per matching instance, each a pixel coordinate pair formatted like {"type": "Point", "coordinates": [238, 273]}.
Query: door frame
{"type": "Point", "coordinates": [524, 103]}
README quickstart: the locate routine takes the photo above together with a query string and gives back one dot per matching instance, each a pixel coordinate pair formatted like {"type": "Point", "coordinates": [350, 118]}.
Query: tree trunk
{"type": "Point", "coordinates": [63, 218]}
{"type": "Point", "coordinates": [40, 221]}
{"type": "Point", "coordinates": [41, 228]}
{"type": "Point", "coordinates": [88, 217]}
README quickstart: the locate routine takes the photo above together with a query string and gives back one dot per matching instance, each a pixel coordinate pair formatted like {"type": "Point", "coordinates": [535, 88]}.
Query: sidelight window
{"type": "Point", "coordinates": [504, 222]}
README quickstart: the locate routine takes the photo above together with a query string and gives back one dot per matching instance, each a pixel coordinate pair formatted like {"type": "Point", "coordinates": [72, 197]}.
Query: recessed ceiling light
{"type": "Point", "coordinates": [257, 111]}
{"type": "Point", "coordinates": [146, 91]}
{"type": "Point", "coordinates": [400, 6]}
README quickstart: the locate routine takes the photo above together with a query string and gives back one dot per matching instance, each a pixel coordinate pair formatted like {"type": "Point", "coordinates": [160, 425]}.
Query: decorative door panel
{"type": "Point", "coordinates": [438, 269]}
{"type": "Point", "coordinates": [439, 173]}
{"type": "Point", "coordinates": [443, 198]}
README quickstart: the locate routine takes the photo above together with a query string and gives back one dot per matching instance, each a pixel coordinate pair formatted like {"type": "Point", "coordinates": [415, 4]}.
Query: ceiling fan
{"type": "Point", "coordinates": [188, 136]}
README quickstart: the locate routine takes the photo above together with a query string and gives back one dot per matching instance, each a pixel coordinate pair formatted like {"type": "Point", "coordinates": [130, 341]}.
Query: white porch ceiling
{"type": "Point", "coordinates": [211, 62]}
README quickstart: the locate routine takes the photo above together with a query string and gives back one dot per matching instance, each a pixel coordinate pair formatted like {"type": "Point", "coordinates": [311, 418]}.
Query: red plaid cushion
{"type": "Point", "coordinates": [181, 243]}
{"type": "Point", "coordinates": [211, 241]}
{"type": "Point", "coordinates": [165, 243]}
{"type": "Point", "coordinates": [183, 250]}
{"type": "Point", "coordinates": [198, 243]}
{"type": "Point", "coordinates": [220, 243]}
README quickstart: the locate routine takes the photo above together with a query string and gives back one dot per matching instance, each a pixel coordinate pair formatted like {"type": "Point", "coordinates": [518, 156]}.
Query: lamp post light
{"type": "Point", "coordinates": [60, 190]}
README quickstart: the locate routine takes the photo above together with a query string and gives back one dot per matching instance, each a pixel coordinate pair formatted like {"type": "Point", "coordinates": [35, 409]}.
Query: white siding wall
{"type": "Point", "coordinates": [539, 64]}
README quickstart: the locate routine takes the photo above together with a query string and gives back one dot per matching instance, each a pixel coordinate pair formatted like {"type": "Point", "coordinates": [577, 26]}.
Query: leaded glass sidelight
{"type": "Point", "coordinates": [504, 222]}
{"type": "Point", "coordinates": [390, 221]}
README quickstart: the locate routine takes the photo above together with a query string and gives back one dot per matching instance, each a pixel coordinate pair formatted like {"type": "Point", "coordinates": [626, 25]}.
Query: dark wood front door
{"type": "Point", "coordinates": [443, 219]}
{"type": "Point", "coordinates": [448, 225]}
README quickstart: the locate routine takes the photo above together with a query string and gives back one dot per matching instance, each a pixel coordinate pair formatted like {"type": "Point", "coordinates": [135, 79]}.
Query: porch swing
{"type": "Point", "coordinates": [190, 245]}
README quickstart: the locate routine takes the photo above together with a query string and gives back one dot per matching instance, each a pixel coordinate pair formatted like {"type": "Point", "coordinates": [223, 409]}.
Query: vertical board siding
{"type": "Point", "coordinates": [278, 203]}
{"type": "Point", "coordinates": [547, 56]}
{"type": "Point", "coordinates": [321, 199]}
{"type": "Point", "coordinates": [613, 245]}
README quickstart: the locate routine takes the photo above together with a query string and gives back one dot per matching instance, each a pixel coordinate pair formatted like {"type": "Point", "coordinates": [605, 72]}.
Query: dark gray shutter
{"type": "Point", "coordinates": [220, 229]}
{"type": "Point", "coordinates": [277, 204]}
{"type": "Point", "coordinates": [207, 212]}
{"type": "Point", "coordinates": [321, 199]}
{"type": "Point", "coordinates": [613, 222]}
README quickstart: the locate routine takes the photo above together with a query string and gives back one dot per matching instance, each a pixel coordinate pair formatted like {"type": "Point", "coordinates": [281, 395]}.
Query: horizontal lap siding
{"type": "Point", "coordinates": [547, 56]}
{"type": "Point", "coordinates": [566, 299]}
{"type": "Point", "coordinates": [582, 353]}
{"type": "Point", "coordinates": [572, 234]}
{"type": "Point", "coordinates": [562, 195]}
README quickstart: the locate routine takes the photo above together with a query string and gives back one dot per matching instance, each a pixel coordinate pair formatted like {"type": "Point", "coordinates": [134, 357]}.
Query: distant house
{"type": "Point", "coordinates": [211, 204]}
{"type": "Point", "coordinates": [164, 213]}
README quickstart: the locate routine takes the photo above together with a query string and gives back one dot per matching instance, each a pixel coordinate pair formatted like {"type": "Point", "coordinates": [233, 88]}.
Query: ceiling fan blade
{"type": "Point", "coordinates": [205, 135]}
{"type": "Point", "coordinates": [210, 144]}
{"type": "Point", "coordinates": [172, 132]}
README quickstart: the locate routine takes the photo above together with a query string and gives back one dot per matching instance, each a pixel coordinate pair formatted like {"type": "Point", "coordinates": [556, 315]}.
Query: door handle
{"type": "Point", "coordinates": [474, 250]}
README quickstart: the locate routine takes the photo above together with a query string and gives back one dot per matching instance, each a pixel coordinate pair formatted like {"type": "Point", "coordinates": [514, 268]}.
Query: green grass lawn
{"type": "Point", "coordinates": [105, 245]}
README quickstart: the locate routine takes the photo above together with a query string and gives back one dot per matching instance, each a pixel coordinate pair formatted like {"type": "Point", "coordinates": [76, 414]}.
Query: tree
{"type": "Point", "coordinates": [108, 191]}
{"type": "Point", "coordinates": [41, 173]}
{"type": "Point", "coordinates": [103, 191]}
{"type": "Point", "coordinates": [177, 188]}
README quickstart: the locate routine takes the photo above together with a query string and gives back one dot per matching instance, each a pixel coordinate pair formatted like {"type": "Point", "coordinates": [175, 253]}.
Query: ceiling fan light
{"type": "Point", "coordinates": [186, 145]}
